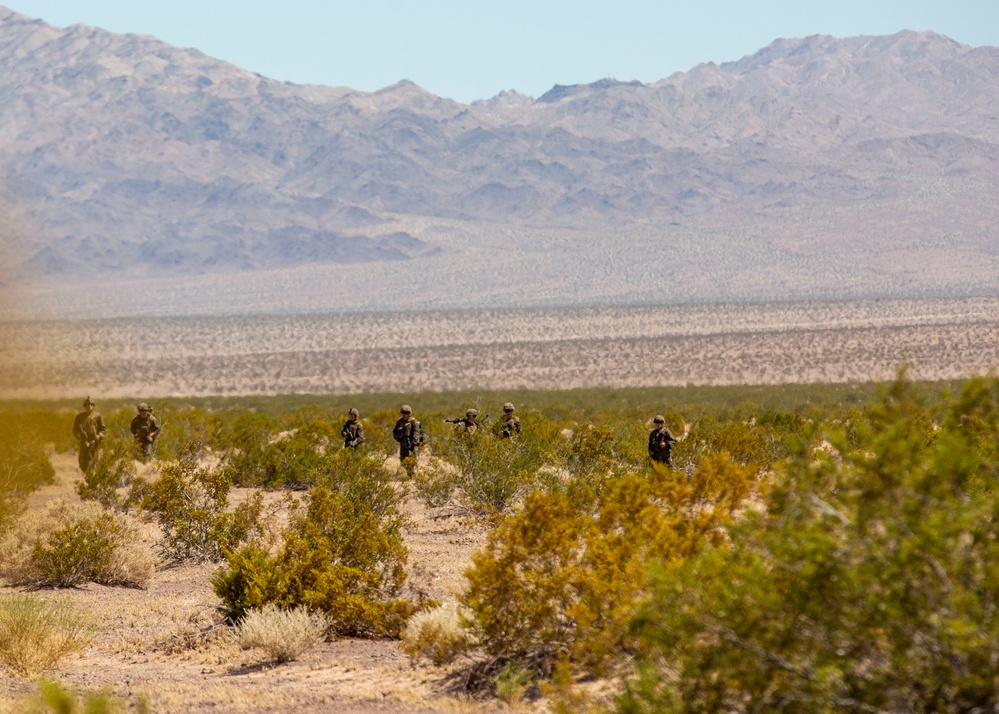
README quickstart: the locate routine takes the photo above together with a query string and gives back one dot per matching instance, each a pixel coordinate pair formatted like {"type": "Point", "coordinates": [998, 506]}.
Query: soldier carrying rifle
{"type": "Point", "coordinates": [353, 431]}
{"type": "Point", "coordinates": [409, 433]}
{"type": "Point", "coordinates": [145, 428]}
{"type": "Point", "coordinates": [89, 429]}
{"type": "Point", "coordinates": [469, 422]}
{"type": "Point", "coordinates": [661, 442]}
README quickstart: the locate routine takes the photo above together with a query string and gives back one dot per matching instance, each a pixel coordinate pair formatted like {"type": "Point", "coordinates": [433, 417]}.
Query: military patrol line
{"type": "Point", "coordinates": [89, 430]}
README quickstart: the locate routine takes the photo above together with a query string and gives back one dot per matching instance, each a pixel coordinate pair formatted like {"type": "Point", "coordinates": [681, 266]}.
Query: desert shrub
{"type": "Point", "coordinates": [24, 466]}
{"type": "Point", "coordinates": [512, 682]}
{"type": "Point", "coordinates": [187, 433]}
{"type": "Point", "coordinates": [554, 579]}
{"type": "Point", "coordinates": [282, 634]}
{"type": "Point", "coordinates": [487, 474]}
{"type": "Point", "coordinates": [67, 545]}
{"type": "Point", "coordinates": [291, 460]}
{"type": "Point", "coordinates": [243, 441]}
{"type": "Point", "coordinates": [35, 635]}
{"type": "Point", "coordinates": [113, 468]}
{"type": "Point", "coordinates": [343, 556]}
{"type": "Point", "coordinates": [869, 584]}
{"type": "Point", "coordinates": [190, 503]}
{"type": "Point", "coordinates": [54, 698]}
{"type": "Point", "coordinates": [435, 483]}
{"type": "Point", "coordinates": [378, 432]}
{"type": "Point", "coordinates": [436, 635]}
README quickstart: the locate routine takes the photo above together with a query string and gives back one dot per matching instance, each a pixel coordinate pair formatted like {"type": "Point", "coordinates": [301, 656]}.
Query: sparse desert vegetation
{"type": "Point", "coordinates": [557, 571]}
{"type": "Point", "coordinates": [772, 343]}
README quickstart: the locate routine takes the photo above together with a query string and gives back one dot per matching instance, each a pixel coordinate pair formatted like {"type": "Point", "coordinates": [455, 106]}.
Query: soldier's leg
{"type": "Point", "coordinates": [87, 458]}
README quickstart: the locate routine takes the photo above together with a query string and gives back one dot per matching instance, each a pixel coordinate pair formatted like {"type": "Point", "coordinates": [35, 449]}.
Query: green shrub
{"type": "Point", "coordinates": [113, 468]}
{"type": "Point", "coordinates": [24, 466]}
{"type": "Point", "coordinates": [293, 459]}
{"type": "Point", "coordinates": [344, 556]}
{"type": "Point", "coordinates": [67, 545]}
{"type": "Point", "coordinates": [512, 683]}
{"type": "Point", "coordinates": [190, 503]}
{"type": "Point", "coordinates": [35, 635]}
{"type": "Point", "coordinates": [187, 433]}
{"type": "Point", "coordinates": [869, 585]}
{"type": "Point", "coordinates": [487, 474]}
{"type": "Point", "coordinates": [282, 634]}
{"type": "Point", "coordinates": [53, 698]}
{"type": "Point", "coordinates": [557, 580]}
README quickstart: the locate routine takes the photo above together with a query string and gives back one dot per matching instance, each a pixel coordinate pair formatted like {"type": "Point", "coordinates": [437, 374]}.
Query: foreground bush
{"type": "Point", "coordinates": [282, 634]}
{"type": "Point", "coordinates": [36, 635]}
{"type": "Point", "coordinates": [344, 556]}
{"type": "Point", "coordinates": [113, 468]}
{"type": "Point", "coordinates": [24, 466]}
{"type": "Point", "coordinates": [191, 505]}
{"type": "Point", "coordinates": [57, 699]}
{"type": "Point", "coordinates": [871, 583]}
{"type": "Point", "coordinates": [559, 580]}
{"type": "Point", "coordinates": [437, 635]}
{"type": "Point", "coordinates": [67, 545]}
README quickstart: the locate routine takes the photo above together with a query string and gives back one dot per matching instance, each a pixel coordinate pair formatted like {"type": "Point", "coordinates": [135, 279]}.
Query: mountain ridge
{"type": "Point", "coordinates": [124, 157]}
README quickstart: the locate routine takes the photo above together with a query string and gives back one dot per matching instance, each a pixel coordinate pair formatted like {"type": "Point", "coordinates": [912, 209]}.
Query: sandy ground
{"type": "Point", "coordinates": [774, 343]}
{"type": "Point", "coordinates": [148, 646]}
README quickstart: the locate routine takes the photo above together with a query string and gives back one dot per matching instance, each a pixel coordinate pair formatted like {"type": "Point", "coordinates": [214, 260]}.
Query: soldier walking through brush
{"type": "Point", "coordinates": [661, 442]}
{"type": "Point", "coordinates": [353, 431]}
{"type": "Point", "coordinates": [145, 428]}
{"type": "Point", "coordinates": [469, 423]}
{"type": "Point", "coordinates": [89, 430]}
{"type": "Point", "coordinates": [511, 424]}
{"type": "Point", "coordinates": [409, 433]}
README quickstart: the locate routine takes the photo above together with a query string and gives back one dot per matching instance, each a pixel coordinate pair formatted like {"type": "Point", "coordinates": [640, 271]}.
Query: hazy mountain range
{"type": "Point", "coordinates": [817, 167]}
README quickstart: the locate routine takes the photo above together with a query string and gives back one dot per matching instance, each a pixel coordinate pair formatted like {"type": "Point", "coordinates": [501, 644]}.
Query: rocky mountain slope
{"type": "Point", "coordinates": [820, 167]}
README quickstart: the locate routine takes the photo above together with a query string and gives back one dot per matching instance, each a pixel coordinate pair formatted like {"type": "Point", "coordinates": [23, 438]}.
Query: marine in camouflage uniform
{"type": "Point", "coordinates": [409, 433]}
{"type": "Point", "coordinates": [353, 431]}
{"type": "Point", "coordinates": [145, 428]}
{"type": "Point", "coordinates": [661, 442]}
{"type": "Point", "coordinates": [511, 424]}
{"type": "Point", "coordinates": [89, 430]}
{"type": "Point", "coordinates": [468, 424]}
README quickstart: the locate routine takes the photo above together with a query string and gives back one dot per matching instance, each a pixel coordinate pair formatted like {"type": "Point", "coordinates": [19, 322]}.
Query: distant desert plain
{"type": "Point", "coordinates": [698, 344]}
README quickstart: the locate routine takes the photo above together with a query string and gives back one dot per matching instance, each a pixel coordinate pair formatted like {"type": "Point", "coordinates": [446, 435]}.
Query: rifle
{"type": "Point", "coordinates": [461, 420]}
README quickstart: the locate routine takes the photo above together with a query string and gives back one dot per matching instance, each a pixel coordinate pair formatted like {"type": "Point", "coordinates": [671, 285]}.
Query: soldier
{"type": "Point", "coordinates": [469, 423]}
{"type": "Point", "coordinates": [89, 429]}
{"type": "Point", "coordinates": [145, 429]}
{"type": "Point", "coordinates": [511, 424]}
{"type": "Point", "coordinates": [661, 442]}
{"type": "Point", "coordinates": [409, 433]}
{"type": "Point", "coordinates": [353, 431]}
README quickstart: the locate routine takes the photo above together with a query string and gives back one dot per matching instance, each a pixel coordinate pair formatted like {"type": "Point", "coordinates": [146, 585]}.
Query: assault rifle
{"type": "Point", "coordinates": [461, 420]}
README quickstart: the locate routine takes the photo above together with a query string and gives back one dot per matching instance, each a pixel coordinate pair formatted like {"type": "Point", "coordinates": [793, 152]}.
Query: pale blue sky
{"type": "Point", "coordinates": [470, 49]}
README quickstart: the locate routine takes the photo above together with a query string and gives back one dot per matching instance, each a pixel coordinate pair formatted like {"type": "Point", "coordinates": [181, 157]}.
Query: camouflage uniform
{"type": "Point", "coordinates": [409, 433]}
{"type": "Point", "coordinates": [145, 429]}
{"type": "Point", "coordinates": [661, 442]}
{"type": "Point", "coordinates": [468, 424]}
{"type": "Point", "coordinates": [353, 431]}
{"type": "Point", "coordinates": [511, 424]}
{"type": "Point", "coordinates": [89, 430]}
